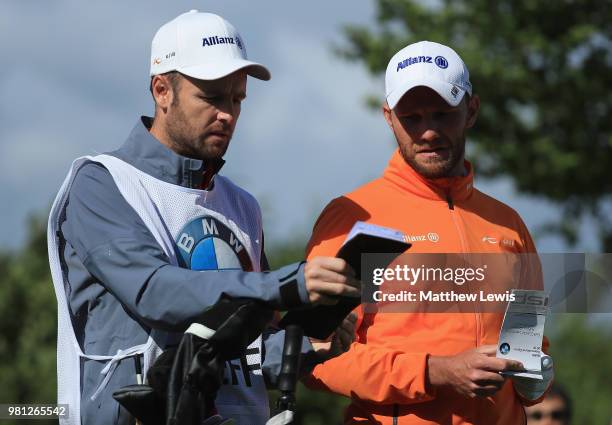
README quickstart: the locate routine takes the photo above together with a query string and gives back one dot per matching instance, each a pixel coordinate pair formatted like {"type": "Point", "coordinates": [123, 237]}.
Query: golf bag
{"type": "Point", "coordinates": [183, 382]}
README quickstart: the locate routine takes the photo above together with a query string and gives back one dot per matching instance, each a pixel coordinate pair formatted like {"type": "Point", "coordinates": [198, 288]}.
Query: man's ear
{"type": "Point", "coordinates": [388, 113]}
{"type": "Point", "coordinates": [473, 108]}
{"type": "Point", "coordinates": [162, 91]}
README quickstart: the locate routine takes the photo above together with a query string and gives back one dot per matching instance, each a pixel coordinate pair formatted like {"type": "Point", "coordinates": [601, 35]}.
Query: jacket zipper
{"type": "Point", "coordinates": [453, 213]}
{"type": "Point", "coordinates": [395, 414]}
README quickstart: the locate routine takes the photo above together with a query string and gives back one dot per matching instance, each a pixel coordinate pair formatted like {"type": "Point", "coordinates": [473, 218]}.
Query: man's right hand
{"type": "Point", "coordinates": [328, 278]}
{"type": "Point", "coordinates": [473, 373]}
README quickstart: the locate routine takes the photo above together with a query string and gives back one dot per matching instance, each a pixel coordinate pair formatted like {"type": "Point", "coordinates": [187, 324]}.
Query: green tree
{"type": "Point", "coordinates": [543, 70]}
{"type": "Point", "coordinates": [28, 323]}
{"type": "Point", "coordinates": [582, 353]}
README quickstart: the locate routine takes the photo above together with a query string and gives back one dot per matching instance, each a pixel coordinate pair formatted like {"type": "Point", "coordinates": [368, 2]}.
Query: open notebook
{"type": "Point", "coordinates": [321, 321]}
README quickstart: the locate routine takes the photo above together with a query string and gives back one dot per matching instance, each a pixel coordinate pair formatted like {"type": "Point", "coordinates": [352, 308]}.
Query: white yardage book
{"type": "Point", "coordinates": [522, 331]}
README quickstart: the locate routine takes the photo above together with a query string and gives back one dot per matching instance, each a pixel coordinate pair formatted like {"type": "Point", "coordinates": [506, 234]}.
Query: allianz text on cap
{"type": "Point", "coordinates": [427, 64]}
{"type": "Point", "coordinates": [203, 46]}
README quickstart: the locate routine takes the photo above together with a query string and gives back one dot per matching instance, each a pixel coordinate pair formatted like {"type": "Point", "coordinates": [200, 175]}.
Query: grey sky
{"type": "Point", "coordinates": [75, 80]}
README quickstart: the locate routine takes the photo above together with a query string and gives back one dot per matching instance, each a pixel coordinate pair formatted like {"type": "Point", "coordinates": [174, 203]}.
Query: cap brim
{"type": "Point", "coordinates": [204, 72]}
{"type": "Point", "coordinates": [445, 90]}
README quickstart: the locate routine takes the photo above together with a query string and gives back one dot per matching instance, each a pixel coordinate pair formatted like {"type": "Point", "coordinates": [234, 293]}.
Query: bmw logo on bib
{"type": "Point", "coordinates": [206, 243]}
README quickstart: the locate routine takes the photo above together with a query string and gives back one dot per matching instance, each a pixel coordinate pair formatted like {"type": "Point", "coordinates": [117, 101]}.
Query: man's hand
{"type": "Point", "coordinates": [532, 389]}
{"type": "Point", "coordinates": [340, 341]}
{"type": "Point", "coordinates": [328, 278]}
{"type": "Point", "coordinates": [473, 373]}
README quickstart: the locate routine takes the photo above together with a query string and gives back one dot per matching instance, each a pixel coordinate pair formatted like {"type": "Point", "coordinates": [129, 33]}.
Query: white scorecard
{"type": "Point", "coordinates": [522, 331]}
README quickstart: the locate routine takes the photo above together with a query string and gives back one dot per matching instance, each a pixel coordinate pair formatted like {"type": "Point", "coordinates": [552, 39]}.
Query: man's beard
{"type": "Point", "coordinates": [436, 169]}
{"type": "Point", "coordinates": [182, 138]}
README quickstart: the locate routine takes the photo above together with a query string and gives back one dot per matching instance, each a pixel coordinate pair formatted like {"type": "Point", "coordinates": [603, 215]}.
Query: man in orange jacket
{"type": "Point", "coordinates": [428, 368]}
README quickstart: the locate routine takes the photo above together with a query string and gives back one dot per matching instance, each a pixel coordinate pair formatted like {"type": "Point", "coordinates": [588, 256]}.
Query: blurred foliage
{"type": "Point", "coordinates": [28, 324]}
{"type": "Point", "coordinates": [582, 353]}
{"type": "Point", "coordinates": [543, 70]}
{"type": "Point", "coordinates": [289, 252]}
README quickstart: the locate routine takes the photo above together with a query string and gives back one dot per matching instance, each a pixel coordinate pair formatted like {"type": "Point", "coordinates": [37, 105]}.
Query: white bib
{"type": "Point", "coordinates": [197, 229]}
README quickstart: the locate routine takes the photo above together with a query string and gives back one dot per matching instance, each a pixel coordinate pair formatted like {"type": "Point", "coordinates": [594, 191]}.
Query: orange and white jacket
{"type": "Point", "coordinates": [384, 371]}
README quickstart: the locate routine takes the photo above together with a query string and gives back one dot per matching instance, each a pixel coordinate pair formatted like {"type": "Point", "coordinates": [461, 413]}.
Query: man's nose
{"type": "Point", "coordinates": [227, 112]}
{"type": "Point", "coordinates": [429, 129]}
{"type": "Point", "coordinates": [430, 134]}
{"type": "Point", "coordinates": [225, 116]}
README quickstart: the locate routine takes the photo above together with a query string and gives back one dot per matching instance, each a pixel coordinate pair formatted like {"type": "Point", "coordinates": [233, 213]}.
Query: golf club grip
{"type": "Point", "coordinates": [290, 365]}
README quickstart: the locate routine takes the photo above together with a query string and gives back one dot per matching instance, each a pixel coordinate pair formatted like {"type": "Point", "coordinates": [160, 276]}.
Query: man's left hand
{"type": "Point", "coordinates": [341, 340]}
{"type": "Point", "coordinates": [532, 389]}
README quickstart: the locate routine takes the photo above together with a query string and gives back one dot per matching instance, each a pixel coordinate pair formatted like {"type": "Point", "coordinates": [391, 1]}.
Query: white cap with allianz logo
{"type": "Point", "coordinates": [203, 46]}
{"type": "Point", "coordinates": [430, 65]}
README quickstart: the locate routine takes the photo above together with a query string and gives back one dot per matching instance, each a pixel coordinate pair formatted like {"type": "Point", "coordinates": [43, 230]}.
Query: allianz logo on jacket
{"type": "Point", "coordinates": [431, 237]}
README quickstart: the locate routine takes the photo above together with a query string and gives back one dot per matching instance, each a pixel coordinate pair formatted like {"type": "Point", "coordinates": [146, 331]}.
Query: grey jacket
{"type": "Point", "coordinates": [119, 277]}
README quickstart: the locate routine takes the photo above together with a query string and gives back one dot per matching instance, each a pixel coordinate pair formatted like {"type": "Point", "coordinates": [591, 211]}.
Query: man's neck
{"type": "Point", "coordinates": [157, 130]}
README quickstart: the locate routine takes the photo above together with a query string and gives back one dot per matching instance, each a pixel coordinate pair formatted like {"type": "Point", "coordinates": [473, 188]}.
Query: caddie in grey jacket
{"type": "Point", "coordinates": [142, 239]}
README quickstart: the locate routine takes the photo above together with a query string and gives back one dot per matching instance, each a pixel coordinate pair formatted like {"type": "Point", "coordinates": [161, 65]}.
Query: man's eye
{"type": "Point", "coordinates": [210, 99]}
